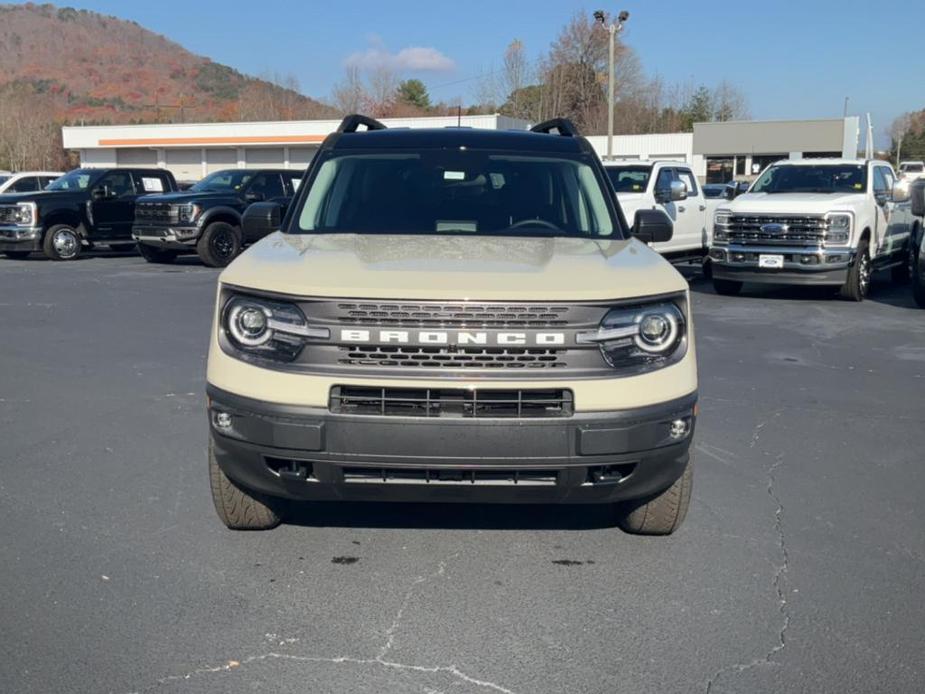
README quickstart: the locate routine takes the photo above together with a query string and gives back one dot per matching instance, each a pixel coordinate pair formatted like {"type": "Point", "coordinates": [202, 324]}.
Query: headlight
{"type": "Point", "coordinates": [640, 338]}
{"type": "Point", "coordinates": [24, 213]}
{"type": "Point", "coordinates": [188, 212]}
{"type": "Point", "coordinates": [722, 219]}
{"type": "Point", "coordinates": [268, 329]}
{"type": "Point", "coordinates": [838, 227]}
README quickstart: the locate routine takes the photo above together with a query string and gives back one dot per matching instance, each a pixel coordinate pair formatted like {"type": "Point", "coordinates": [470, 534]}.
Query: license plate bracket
{"type": "Point", "coordinates": [771, 262]}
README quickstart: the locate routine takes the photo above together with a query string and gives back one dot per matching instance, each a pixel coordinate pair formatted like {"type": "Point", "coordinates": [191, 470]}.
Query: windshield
{"type": "Point", "coordinates": [78, 179]}
{"type": "Point", "coordinates": [629, 179]}
{"type": "Point", "coordinates": [231, 180]}
{"type": "Point", "coordinates": [912, 168]}
{"type": "Point", "coordinates": [835, 178]}
{"type": "Point", "coordinates": [457, 192]}
{"type": "Point", "coordinates": [714, 190]}
{"type": "Point", "coordinates": [4, 179]}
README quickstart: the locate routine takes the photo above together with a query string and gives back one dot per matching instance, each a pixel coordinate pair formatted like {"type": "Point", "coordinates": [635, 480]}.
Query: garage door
{"type": "Point", "coordinates": [218, 159]}
{"type": "Point", "coordinates": [136, 157]}
{"type": "Point", "coordinates": [264, 156]}
{"type": "Point", "coordinates": [301, 157]}
{"type": "Point", "coordinates": [186, 164]}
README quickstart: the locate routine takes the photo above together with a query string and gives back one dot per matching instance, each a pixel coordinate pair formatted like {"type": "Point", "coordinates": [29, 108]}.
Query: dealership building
{"type": "Point", "coordinates": [717, 152]}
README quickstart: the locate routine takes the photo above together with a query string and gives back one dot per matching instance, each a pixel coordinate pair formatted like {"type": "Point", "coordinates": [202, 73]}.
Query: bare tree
{"type": "Point", "coordinates": [729, 103]}
{"type": "Point", "coordinates": [515, 74]}
{"type": "Point", "coordinates": [350, 94]}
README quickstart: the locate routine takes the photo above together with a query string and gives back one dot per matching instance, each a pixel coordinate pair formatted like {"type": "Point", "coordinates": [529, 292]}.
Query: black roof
{"type": "Point", "coordinates": [471, 138]}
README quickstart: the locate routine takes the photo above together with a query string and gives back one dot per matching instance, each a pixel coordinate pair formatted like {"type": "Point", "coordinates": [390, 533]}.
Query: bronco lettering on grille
{"type": "Point", "coordinates": [451, 337]}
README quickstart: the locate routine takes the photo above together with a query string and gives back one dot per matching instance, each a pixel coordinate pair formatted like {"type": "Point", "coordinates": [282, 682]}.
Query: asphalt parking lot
{"type": "Point", "coordinates": [800, 567]}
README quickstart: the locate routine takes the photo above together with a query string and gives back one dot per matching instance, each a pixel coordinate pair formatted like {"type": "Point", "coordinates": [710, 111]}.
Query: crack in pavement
{"type": "Point", "coordinates": [780, 572]}
{"type": "Point", "coordinates": [379, 661]}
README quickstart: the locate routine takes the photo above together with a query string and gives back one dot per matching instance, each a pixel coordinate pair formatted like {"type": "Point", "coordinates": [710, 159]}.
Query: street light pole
{"type": "Point", "coordinates": [613, 29]}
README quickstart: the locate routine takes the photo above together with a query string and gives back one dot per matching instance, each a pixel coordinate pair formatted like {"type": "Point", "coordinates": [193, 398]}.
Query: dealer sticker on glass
{"type": "Point", "coordinates": [771, 261]}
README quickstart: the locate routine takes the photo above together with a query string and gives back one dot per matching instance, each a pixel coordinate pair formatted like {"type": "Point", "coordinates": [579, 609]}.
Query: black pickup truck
{"type": "Point", "coordinates": [206, 219]}
{"type": "Point", "coordinates": [83, 208]}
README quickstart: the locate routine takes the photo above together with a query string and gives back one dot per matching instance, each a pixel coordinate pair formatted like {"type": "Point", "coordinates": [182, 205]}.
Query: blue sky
{"type": "Point", "coordinates": [792, 59]}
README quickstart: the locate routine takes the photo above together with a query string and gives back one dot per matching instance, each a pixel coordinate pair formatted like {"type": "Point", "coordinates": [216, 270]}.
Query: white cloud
{"type": "Point", "coordinates": [410, 59]}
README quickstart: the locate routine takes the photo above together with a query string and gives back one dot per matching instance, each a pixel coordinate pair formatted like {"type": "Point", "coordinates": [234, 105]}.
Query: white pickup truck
{"type": "Point", "coordinates": [669, 186]}
{"type": "Point", "coordinates": [822, 222]}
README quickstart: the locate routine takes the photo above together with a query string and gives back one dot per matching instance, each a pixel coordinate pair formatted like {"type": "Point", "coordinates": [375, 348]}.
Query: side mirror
{"type": "Point", "coordinates": [729, 193]}
{"type": "Point", "coordinates": [678, 191]}
{"type": "Point", "coordinates": [652, 226]}
{"type": "Point", "coordinates": [900, 193]}
{"type": "Point", "coordinates": [917, 195]}
{"type": "Point", "coordinates": [261, 218]}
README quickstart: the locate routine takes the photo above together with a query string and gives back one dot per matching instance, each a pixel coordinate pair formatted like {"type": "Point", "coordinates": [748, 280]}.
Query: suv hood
{"type": "Point", "coordinates": [452, 268]}
{"type": "Point", "coordinates": [40, 195]}
{"type": "Point", "coordinates": [794, 203]}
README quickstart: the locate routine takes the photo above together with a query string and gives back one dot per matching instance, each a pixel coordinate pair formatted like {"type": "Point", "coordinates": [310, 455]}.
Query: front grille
{"type": "Point", "coordinates": [450, 402]}
{"type": "Point", "coordinates": [454, 315]}
{"type": "Point", "coordinates": [461, 357]}
{"type": "Point", "coordinates": [155, 212]}
{"type": "Point", "coordinates": [7, 214]}
{"type": "Point", "coordinates": [801, 230]}
{"type": "Point", "coordinates": [452, 476]}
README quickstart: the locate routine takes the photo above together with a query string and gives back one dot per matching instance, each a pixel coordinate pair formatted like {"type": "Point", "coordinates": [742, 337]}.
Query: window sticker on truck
{"type": "Point", "coordinates": [152, 185]}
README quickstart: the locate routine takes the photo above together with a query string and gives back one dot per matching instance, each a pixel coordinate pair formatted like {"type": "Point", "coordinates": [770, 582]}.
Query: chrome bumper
{"type": "Point", "coordinates": [14, 232]}
{"type": "Point", "coordinates": [810, 265]}
{"type": "Point", "coordinates": [167, 237]}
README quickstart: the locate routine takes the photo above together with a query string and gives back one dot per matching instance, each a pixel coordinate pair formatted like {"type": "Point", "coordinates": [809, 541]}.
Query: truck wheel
{"type": "Point", "coordinates": [16, 255]}
{"type": "Point", "coordinates": [857, 285]}
{"type": "Point", "coordinates": [157, 255]}
{"type": "Point", "coordinates": [238, 508]}
{"type": "Point", "coordinates": [902, 273]}
{"type": "Point", "coordinates": [661, 514]}
{"type": "Point", "coordinates": [219, 244]}
{"type": "Point", "coordinates": [62, 242]}
{"type": "Point", "coordinates": [727, 287]}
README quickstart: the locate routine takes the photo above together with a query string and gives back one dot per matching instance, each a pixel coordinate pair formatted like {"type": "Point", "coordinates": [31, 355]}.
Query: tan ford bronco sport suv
{"type": "Point", "coordinates": [453, 315]}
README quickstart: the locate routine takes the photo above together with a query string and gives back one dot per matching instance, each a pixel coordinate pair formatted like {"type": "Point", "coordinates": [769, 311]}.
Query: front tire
{"type": "Point", "coordinates": [62, 242]}
{"type": "Point", "coordinates": [238, 508]}
{"type": "Point", "coordinates": [663, 513]}
{"type": "Point", "coordinates": [857, 286]}
{"type": "Point", "coordinates": [157, 255]}
{"type": "Point", "coordinates": [16, 255]}
{"type": "Point", "coordinates": [727, 287]}
{"type": "Point", "coordinates": [219, 244]}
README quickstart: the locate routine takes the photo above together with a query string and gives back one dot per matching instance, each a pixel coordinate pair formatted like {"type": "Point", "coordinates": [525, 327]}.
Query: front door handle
{"type": "Point", "coordinates": [703, 207]}
{"type": "Point", "coordinates": [680, 208]}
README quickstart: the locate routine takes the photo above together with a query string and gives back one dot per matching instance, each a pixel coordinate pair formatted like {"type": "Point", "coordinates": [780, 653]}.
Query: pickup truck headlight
{"type": "Point", "coordinates": [838, 227]}
{"type": "Point", "coordinates": [721, 222]}
{"type": "Point", "coordinates": [24, 214]}
{"type": "Point", "coordinates": [641, 338]}
{"type": "Point", "coordinates": [267, 329]}
{"type": "Point", "coordinates": [188, 213]}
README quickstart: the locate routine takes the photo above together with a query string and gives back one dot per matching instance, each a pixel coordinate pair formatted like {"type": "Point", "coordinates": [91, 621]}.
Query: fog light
{"type": "Point", "coordinates": [222, 420]}
{"type": "Point", "coordinates": [738, 257]}
{"type": "Point", "coordinates": [718, 254]}
{"type": "Point", "coordinates": [680, 428]}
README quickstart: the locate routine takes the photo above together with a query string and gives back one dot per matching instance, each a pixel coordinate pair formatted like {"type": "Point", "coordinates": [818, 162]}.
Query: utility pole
{"type": "Point", "coordinates": [846, 107]}
{"type": "Point", "coordinates": [612, 29]}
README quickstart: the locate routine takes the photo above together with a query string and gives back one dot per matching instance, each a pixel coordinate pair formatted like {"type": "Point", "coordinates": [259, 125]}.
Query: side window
{"type": "Point", "coordinates": [150, 182]}
{"type": "Point", "coordinates": [292, 179]}
{"type": "Point", "coordinates": [665, 177]}
{"type": "Point", "coordinates": [888, 176]}
{"type": "Point", "coordinates": [687, 178]}
{"type": "Point", "coordinates": [118, 182]}
{"type": "Point", "coordinates": [880, 183]}
{"type": "Point", "coordinates": [27, 184]}
{"type": "Point", "coordinates": [268, 185]}
{"type": "Point", "coordinates": [45, 180]}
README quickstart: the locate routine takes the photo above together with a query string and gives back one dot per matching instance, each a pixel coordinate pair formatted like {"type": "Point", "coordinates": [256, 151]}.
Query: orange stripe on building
{"type": "Point", "coordinates": [244, 140]}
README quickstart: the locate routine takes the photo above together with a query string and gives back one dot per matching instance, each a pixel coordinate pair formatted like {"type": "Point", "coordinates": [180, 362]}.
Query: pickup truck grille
{"type": "Point", "coordinates": [450, 402]}
{"type": "Point", "coordinates": [155, 212]}
{"type": "Point", "coordinates": [770, 230]}
{"type": "Point", "coordinates": [7, 214]}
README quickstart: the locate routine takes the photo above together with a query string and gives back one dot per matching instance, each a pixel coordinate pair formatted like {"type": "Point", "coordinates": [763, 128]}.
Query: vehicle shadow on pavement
{"type": "Point", "coordinates": [443, 516]}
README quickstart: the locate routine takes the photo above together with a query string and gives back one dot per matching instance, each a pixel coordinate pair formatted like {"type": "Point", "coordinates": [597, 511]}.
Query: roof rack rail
{"type": "Point", "coordinates": [562, 126]}
{"type": "Point", "coordinates": [352, 123]}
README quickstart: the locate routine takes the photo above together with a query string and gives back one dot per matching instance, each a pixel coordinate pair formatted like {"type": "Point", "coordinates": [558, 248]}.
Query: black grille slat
{"type": "Point", "coordinates": [450, 402]}
{"type": "Point", "coordinates": [449, 476]}
{"type": "Point", "coordinates": [155, 212]}
{"type": "Point", "coordinates": [454, 315]}
{"type": "Point", "coordinates": [462, 357]}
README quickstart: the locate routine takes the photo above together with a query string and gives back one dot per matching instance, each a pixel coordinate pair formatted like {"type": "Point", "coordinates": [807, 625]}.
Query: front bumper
{"type": "Point", "coordinates": [172, 237]}
{"type": "Point", "coordinates": [802, 265]}
{"type": "Point", "coordinates": [18, 238]}
{"type": "Point", "coordinates": [300, 452]}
